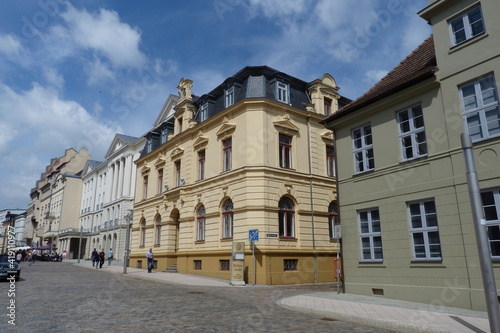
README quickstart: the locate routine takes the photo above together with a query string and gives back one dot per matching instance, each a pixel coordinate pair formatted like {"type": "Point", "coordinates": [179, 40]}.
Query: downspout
{"type": "Point", "coordinates": [337, 194]}
{"type": "Point", "coordinates": [311, 198]}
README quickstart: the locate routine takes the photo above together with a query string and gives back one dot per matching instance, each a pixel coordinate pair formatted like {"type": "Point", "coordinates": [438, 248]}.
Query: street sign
{"type": "Point", "coordinates": [272, 235]}
{"type": "Point", "coordinates": [253, 235]}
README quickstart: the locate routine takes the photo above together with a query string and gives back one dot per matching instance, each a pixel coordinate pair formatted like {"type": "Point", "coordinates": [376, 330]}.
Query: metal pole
{"type": "Point", "coordinates": [490, 290]}
{"type": "Point", "coordinates": [127, 241]}
{"type": "Point", "coordinates": [337, 268]}
{"type": "Point", "coordinates": [80, 243]}
{"type": "Point", "coordinates": [253, 263]}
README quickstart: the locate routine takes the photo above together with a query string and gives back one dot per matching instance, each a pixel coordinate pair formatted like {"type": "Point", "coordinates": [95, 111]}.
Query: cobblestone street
{"type": "Point", "coordinates": [61, 297]}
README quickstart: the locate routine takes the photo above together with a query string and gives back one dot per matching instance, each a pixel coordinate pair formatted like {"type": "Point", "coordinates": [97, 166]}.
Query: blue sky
{"type": "Point", "coordinates": [73, 74]}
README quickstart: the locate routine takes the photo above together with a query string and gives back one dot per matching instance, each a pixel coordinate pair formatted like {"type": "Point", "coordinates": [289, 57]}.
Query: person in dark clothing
{"type": "Point", "coordinates": [102, 255]}
{"type": "Point", "coordinates": [95, 257]}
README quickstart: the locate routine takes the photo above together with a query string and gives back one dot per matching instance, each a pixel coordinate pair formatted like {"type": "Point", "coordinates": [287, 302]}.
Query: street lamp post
{"type": "Point", "coordinates": [490, 289]}
{"type": "Point", "coordinates": [127, 241]}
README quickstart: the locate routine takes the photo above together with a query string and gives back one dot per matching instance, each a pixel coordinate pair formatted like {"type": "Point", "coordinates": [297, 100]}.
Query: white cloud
{"type": "Point", "coordinates": [98, 72]}
{"type": "Point", "coordinates": [105, 34]}
{"type": "Point", "coordinates": [53, 78]}
{"type": "Point", "coordinates": [373, 76]}
{"type": "Point", "coordinates": [9, 45]}
{"type": "Point", "coordinates": [274, 9]}
{"type": "Point", "coordinates": [42, 119]}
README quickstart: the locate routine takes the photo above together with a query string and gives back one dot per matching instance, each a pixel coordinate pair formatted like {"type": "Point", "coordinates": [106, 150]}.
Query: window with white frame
{"type": "Point", "coordinates": [160, 181]}
{"type": "Point", "coordinates": [370, 235]}
{"type": "Point", "coordinates": [143, 233]}
{"type": "Point", "coordinates": [164, 135]}
{"type": "Point", "coordinates": [149, 145]}
{"type": "Point", "coordinates": [282, 92]}
{"type": "Point", "coordinates": [227, 154]}
{"type": "Point", "coordinates": [424, 230]}
{"type": "Point", "coordinates": [227, 219]}
{"type": "Point", "coordinates": [145, 187]}
{"type": "Point", "coordinates": [333, 215]}
{"type": "Point", "coordinates": [200, 224]}
{"type": "Point", "coordinates": [229, 93]}
{"type": "Point", "coordinates": [412, 133]}
{"type": "Point", "coordinates": [158, 230]}
{"type": "Point", "coordinates": [466, 26]}
{"type": "Point", "coordinates": [286, 218]}
{"type": "Point", "coordinates": [204, 112]}
{"type": "Point", "coordinates": [480, 108]}
{"type": "Point", "coordinates": [285, 153]}
{"type": "Point", "coordinates": [201, 164]}
{"type": "Point", "coordinates": [491, 208]}
{"type": "Point", "coordinates": [178, 178]}
{"type": "Point", "coordinates": [363, 149]}
{"type": "Point", "coordinates": [330, 161]}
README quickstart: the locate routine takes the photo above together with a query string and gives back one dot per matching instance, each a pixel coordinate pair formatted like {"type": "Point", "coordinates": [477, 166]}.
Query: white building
{"type": "Point", "coordinates": [107, 196]}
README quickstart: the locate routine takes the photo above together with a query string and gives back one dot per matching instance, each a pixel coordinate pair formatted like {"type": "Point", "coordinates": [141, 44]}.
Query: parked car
{"type": "Point", "coordinates": [9, 267]}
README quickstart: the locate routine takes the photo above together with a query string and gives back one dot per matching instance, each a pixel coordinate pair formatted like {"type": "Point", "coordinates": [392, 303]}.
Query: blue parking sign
{"type": "Point", "coordinates": [253, 235]}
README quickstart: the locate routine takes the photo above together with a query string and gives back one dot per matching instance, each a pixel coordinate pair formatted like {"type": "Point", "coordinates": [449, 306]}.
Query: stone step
{"type": "Point", "coordinates": [171, 269]}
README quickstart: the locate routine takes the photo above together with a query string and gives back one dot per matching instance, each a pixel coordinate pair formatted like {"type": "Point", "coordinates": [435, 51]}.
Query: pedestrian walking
{"type": "Point", "coordinates": [95, 257]}
{"type": "Point", "coordinates": [30, 258]}
{"type": "Point", "coordinates": [149, 255]}
{"type": "Point", "coordinates": [102, 255]}
{"type": "Point", "coordinates": [19, 257]}
{"type": "Point", "coordinates": [110, 256]}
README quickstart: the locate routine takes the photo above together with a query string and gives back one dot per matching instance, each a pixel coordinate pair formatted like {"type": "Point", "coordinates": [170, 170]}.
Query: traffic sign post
{"type": "Point", "coordinates": [253, 236]}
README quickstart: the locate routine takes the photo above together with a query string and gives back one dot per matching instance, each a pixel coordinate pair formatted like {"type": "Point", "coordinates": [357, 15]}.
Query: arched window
{"type": "Point", "coordinates": [143, 233]}
{"type": "Point", "coordinates": [333, 215]}
{"type": "Point", "coordinates": [286, 218]}
{"type": "Point", "coordinates": [200, 224]}
{"type": "Point", "coordinates": [227, 219]}
{"type": "Point", "coordinates": [158, 230]}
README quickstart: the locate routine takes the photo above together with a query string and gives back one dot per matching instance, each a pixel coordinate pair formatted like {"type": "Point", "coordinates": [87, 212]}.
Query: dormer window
{"type": "Point", "coordinates": [466, 26]}
{"type": "Point", "coordinates": [164, 135]}
{"type": "Point", "coordinates": [282, 90]}
{"type": "Point", "coordinates": [229, 93]}
{"type": "Point", "coordinates": [204, 112]}
{"type": "Point", "coordinates": [149, 145]}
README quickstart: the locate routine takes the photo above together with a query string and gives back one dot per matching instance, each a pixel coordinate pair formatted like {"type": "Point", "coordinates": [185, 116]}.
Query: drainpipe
{"type": "Point", "coordinates": [340, 288]}
{"type": "Point", "coordinates": [311, 199]}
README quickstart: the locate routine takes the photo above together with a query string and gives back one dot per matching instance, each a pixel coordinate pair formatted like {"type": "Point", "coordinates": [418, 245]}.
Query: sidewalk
{"type": "Point", "coordinates": [372, 311]}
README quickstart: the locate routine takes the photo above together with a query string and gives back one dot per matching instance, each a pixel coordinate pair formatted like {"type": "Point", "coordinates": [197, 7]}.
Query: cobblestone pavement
{"type": "Point", "coordinates": [61, 297]}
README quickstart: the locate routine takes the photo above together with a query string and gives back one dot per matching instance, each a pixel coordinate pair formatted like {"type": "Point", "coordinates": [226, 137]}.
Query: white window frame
{"type": "Point", "coordinates": [201, 164]}
{"type": "Point", "coordinates": [467, 25]}
{"type": "Point", "coordinates": [330, 161]}
{"type": "Point", "coordinates": [492, 217]}
{"type": "Point", "coordinates": [481, 109]}
{"type": "Point", "coordinates": [227, 219]}
{"type": "Point", "coordinates": [425, 230]}
{"type": "Point", "coordinates": [229, 96]}
{"type": "Point", "coordinates": [164, 135]}
{"type": "Point", "coordinates": [410, 130]}
{"type": "Point", "coordinates": [362, 151]}
{"type": "Point", "coordinates": [370, 230]}
{"type": "Point", "coordinates": [227, 154]}
{"type": "Point", "coordinates": [158, 230]}
{"type": "Point", "coordinates": [200, 224]}
{"type": "Point", "coordinates": [282, 92]}
{"type": "Point", "coordinates": [204, 112]}
{"type": "Point", "coordinates": [285, 151]}
{"type": "Point", "coordinates": [286, 218]}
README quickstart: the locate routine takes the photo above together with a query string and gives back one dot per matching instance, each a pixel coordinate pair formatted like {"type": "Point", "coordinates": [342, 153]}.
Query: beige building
{"type": "Point", "coordinates": [54, 207]}
{"type": "Point", "coordinates": [249, 155]}
{"type": "Point", "coordinates": [404, 204]}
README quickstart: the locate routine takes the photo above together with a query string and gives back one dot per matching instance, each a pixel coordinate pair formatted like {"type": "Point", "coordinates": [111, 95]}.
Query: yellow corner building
{"type": "Point", "coordinates": [249, 155]}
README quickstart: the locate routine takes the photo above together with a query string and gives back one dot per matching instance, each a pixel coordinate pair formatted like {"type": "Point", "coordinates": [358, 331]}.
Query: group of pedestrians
{"type": "Point", "coordinates": [98, 258]}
